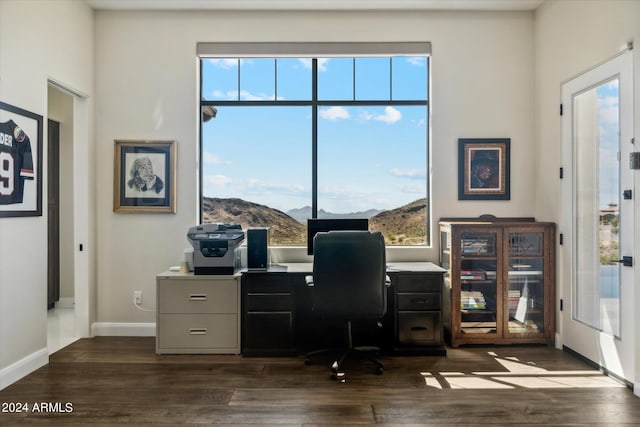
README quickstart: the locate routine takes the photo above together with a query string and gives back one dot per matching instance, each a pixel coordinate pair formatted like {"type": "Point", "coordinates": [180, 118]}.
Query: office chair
{"type": "Point", "coordinates": [349, 282]}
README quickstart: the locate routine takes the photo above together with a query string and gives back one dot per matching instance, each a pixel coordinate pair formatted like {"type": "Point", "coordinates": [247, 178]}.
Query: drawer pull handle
{"type": "Point", "coordinates": [198, 331]}
{"type": "Point", "coordinates": [419, 300]}
{"type": "Point", "coordinates": [418, 328]}
{"type": "Point", "coordinates": [198, 297]}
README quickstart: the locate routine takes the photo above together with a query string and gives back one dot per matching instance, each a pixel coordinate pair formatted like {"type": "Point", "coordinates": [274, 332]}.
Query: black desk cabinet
{"type": "Point", "coordinates": [267, 314]}
{"type": "Point", "coordinates": [277, 318]}
{"type": "Point", "coordinates": [417, 308]}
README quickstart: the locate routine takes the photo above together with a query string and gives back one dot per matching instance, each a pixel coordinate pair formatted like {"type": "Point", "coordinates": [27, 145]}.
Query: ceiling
{"type": "Point", "coordinates": [488, 5]}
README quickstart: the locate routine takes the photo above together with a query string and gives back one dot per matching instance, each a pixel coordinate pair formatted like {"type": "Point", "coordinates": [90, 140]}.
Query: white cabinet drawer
{"type": "Point", "coordinates": [198, 331]}
{"type": "Point", "coordinates": [189, 296]}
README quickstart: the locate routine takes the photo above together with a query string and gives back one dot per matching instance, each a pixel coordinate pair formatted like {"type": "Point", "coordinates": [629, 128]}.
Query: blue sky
{"type": "Point", "coordinates": [609, 128]}
{"type": "Point", "coordinates": [369, 156]}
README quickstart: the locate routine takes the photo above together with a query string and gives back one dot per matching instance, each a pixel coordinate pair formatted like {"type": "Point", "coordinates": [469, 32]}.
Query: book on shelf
{"type": "Point", "coordinates": [478, 325]}
{"type": "Point", "coordinates": [472, 300]}
{"type": "Point", "coordinates": [525, 273]}
{"type": "Point", "coordinates": [475, 246]}
{"type": "Point", "coordinates": [513, 298]}
{"type": "Point", "coordinates": [478, 330]}
{"type": "Point", "coordinates": [516, 327]}
{"type": "Point", "coordinates": [472, 275]}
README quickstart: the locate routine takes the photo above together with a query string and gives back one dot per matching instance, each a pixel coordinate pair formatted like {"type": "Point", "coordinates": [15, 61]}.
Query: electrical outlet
{"type": "Point", "coordinates": [137, 297]}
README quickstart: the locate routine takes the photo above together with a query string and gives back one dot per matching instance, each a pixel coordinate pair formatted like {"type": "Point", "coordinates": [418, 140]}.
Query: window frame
{"type": "Point", "coordinates": [326, 50]}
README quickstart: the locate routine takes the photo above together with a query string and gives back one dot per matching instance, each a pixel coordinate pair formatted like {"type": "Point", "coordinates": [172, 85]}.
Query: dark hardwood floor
{"type": "Point", "coordinates": [118, 380]}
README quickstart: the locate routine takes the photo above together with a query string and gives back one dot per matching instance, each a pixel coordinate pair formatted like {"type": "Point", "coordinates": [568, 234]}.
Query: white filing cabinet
{"type": "Point", "coordinates": [197, 314]}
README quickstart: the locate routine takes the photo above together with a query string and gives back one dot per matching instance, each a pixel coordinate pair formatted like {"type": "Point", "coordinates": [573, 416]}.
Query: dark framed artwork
{"type": "Point", "coordinates": [144, 176]}
{"type": "Point", "coordinates": [20, 162]}
{"type": "Point", "coordinates": [483, 169]}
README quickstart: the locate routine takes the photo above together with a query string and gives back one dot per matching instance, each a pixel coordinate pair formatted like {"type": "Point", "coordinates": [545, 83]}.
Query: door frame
{"type": "Point", "coordinates": [624, 61]}
{"type": "Point", "coordinates": [82, 261]}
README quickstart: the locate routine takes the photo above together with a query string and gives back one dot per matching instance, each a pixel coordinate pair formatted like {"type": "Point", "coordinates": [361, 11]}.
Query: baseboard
{"type": "Point", "coordinates": [23, 367]}
{"type": "Point", "coordinates": [112, 329]}
{"type": "Point", "coordinates": [601, 368]}
{"type": "Point", "coordinates": [65, 303]}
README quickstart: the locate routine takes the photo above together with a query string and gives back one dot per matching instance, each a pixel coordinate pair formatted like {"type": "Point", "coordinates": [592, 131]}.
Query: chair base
{"type": "Point", "coordinates": [364, 352]}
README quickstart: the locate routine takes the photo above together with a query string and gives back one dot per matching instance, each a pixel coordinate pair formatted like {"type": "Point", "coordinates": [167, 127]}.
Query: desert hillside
{"type": "Point", "coordinates": [405, 225]}
{"type": "Point", "coordinates": [284, 230]}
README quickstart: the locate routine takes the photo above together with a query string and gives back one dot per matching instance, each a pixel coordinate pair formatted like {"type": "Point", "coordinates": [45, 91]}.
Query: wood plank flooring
{"type": "Point", "coordinates": [120, 380]}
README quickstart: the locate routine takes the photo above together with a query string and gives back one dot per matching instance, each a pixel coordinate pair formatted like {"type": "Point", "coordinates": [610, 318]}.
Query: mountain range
{"type": "Point", "coordinates": [404, 225]}
{"type": "Point", "coordinates": [301, 214]}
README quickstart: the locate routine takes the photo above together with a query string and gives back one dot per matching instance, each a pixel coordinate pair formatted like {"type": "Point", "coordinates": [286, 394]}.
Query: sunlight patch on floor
{"type": "Point", "coordinates": [518, 374]}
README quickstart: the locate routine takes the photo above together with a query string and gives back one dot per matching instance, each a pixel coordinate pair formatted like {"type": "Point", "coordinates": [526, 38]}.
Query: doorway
{"type": "Point", "coordinates": [598, 220]}
{"type": "Point", "coordinates": [61, 318]}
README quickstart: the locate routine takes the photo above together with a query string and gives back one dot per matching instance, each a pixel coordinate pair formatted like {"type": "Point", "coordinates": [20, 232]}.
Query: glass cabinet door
{"type": "Point", "coordinates": [479, 297]}
{"type": "Point", "coordinates": [526, 292]}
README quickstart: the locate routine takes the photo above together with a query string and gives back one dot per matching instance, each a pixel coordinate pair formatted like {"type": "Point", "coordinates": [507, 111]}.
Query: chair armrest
{"type": "Point", "coordinates": [309, 280]}
{"type": "Point", "coordinates": [387, 281]}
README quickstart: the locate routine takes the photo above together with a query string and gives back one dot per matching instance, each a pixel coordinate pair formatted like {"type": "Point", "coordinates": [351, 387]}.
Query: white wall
{"type": "Point", "coordinates": [39, 39]}
{"type": "Point", "coordinates": [570, 38]}
{"type": "Point", "coordinates": [147, 87]}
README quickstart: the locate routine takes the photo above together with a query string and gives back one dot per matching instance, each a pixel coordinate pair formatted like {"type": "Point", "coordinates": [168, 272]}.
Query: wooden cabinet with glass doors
{"type": "Point", "coordinates": [500, 280]}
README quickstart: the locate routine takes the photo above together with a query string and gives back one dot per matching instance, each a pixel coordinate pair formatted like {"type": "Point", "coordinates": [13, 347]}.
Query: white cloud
{"type": "Point", "coordinates": [408, 173]}
{"type": "Point", "coordinates": [213, 159]}
{"type": "Point", "coordinates": [419, 123]}
{"type": "Point", "coordinates": [254, 186]}
{"type": "Point", "coordinates": [413, 188]}
{"type": "Point", "coordinates": [608, 109]}
{"type": "Point", "coordinates": [225, 63]}
{"type": "Point", "coordinates": [217, 181]}
{"type": "Point", "coordinates": [334, 113]}
{"type": "Point", "coordinates": [419, 61]}
{"type": "Point", "coordinates": [248, 96]}
{"type": "Point", "coordinates": [366, 116]}
{"type": "Point", "coordinates": [244, 95]}
{"type": "Point", "coordinates": [231, 94]}
{"type": "Point", "coordinates": [322, 63]}
{"type": "Point", "coordinates": [391, 115]}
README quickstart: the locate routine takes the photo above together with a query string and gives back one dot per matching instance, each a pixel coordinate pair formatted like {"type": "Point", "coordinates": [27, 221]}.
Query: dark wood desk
{"type": "Point", "coordinates": [277, 316]}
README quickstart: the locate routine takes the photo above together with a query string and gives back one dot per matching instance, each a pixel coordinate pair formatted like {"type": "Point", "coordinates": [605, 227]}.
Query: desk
{"type": "Point", "coordinates": [277, 316]}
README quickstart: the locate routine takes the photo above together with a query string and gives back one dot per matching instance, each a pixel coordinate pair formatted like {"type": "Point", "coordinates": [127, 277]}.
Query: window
{"type": "Point", "coordinates": [316, 136]}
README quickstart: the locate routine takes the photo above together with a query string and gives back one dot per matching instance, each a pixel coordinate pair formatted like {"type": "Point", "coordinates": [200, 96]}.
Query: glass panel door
{"type": "Point", "coordinates": [525, 295]}
{"type": "Point", "coordinates": [597, 285]}
{"type": "Point", "coordinates": [478, 283]}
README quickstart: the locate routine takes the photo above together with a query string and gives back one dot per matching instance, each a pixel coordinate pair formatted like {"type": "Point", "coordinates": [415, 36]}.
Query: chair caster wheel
{"type": "Point", "coordinates": [307, 362]}
{"type": "Point", "coordinates": [379, 370]}
{"type": "Point", "coordinates": [338, 376]}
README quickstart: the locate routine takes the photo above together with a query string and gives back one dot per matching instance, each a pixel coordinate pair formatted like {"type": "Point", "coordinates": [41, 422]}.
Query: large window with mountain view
{"type": "Point", "coordinates": [294, 138]}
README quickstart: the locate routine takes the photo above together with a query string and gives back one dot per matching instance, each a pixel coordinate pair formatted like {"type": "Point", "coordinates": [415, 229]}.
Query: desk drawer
{"type": "Point", "coordinates": [417, 283]}
{"type": "Point", "coordinates": [191, 298]}
{"type": "Point", "coordinates": [419, 328]}
{"type": "Point", "coordinates": [418, 301]}
{"type": "Point", "coordinates": [267, 332]}
{"type": "Point", "coordinates": [269, 302]}
{"type": "Point", "coordinates": [198, 331]}
{"type": "Point", "coordinates": [266, 283]}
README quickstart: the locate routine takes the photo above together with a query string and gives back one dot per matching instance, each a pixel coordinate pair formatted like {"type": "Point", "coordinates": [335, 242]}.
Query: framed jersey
{"type": "Point", "coordinates": [20, 162]}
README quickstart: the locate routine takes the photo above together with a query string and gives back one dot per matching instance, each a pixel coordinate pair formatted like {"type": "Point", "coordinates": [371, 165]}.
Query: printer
{"type": "Point", "coordinates": [216, 248]}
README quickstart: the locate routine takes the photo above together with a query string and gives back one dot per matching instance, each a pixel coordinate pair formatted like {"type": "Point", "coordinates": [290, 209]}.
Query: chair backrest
{"type": "Point", "coordinates": [349, 270]}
